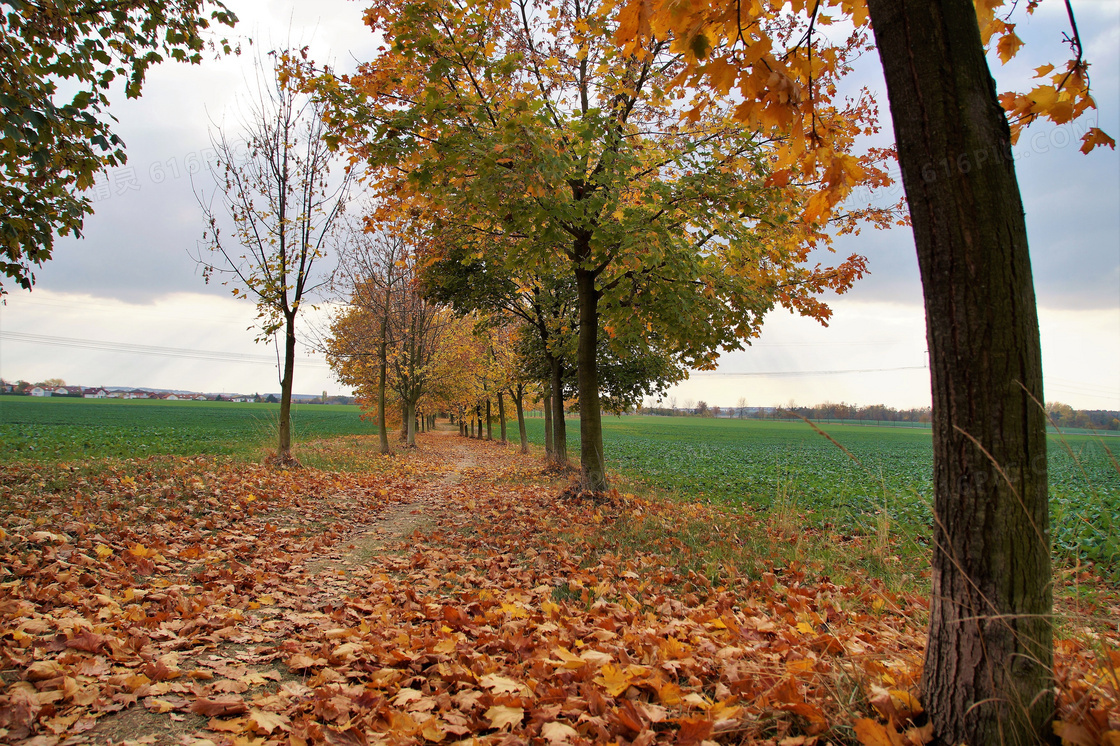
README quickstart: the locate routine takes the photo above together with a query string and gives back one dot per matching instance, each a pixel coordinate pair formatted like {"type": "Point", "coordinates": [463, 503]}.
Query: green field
{"type": "Point", "coordinates": [786, 466]}
{"type": "Point", "coordinates": [778, 466]}
{"type": "Point", "coordinates": [64, 429]}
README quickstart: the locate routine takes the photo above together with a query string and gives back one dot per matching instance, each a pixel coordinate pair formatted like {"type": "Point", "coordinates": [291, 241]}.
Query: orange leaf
{"type": "Point", "coordinates": [614, 679]}
{"type": "Point", "coordinates": [1095, 138]}
{"type": "Point", "coordinates": [230, 704]}
{"type": "Point", "coordinates": [871, 733]}
{"type": "Point", "coordinates": [1008, 46]}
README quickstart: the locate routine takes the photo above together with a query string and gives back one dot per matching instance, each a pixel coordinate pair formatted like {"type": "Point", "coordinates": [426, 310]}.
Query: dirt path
{"type": "Point", "coordinates": [246, 661]}
{"type": "Point", "coordinates": [387, 530]}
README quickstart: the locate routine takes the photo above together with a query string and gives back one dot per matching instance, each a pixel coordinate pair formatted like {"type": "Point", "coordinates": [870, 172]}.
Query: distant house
{"type": "Point", "coordinates": [171, 397]}
{"type": "Point", "coordinates": [39, 391]}
{"type": "Point", "coordinates": [137, 394]}
{"type": "Point", "coordinates": [61, 391]}
{"type": "Point", "coordinates": [95, 394]}
{"type": "Point", "coordinates": [115, 394]}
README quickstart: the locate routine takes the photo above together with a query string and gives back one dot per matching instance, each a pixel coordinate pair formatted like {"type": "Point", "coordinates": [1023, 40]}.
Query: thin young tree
{"type": "Point", "coordinates": [276, 194]}
{"type": "Point", "coordinates": [373, 275]}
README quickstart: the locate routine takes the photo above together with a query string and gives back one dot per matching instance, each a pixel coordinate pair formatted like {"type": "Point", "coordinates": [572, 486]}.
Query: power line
{"type": "Point", "coordinates": [784, 373]}
{"type": "Point", "coordinates": [154, 350]}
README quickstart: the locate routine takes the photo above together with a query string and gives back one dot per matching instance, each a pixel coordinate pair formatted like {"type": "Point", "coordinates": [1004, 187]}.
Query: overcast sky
{"type": "Point", "coordinates": [127, 306]}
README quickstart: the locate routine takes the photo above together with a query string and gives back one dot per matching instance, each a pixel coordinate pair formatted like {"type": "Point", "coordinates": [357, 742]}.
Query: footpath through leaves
{"type": "Point", "coordinates": [444, 595]}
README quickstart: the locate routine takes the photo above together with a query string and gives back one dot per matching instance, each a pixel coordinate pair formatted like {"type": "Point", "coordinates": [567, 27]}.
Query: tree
{"type": "Point", "coordinates": [457, 274]}
{"type": "Point", "coordinates": [276, 188]}
{"type": "Point", "coordinates": [988, 675]}
{"type": "Point", "coordinates": [389, 323]}
{"type": "Point", "coordinates": [374, 272]}
{"type": "Point", "coordinates": [53, 148]}
{"type": "Point", "coordinates": [523, 122]}
{"type": "Point", "coordinates": [988, 664]}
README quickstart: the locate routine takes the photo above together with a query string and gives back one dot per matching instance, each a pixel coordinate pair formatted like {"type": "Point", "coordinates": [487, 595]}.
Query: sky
{"type": "Point", "coordinates": [126, 305]}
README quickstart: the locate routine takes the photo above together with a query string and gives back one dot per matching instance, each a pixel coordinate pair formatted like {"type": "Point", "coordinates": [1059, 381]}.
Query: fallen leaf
{"type": "Point", "coordinates": [503, 715]}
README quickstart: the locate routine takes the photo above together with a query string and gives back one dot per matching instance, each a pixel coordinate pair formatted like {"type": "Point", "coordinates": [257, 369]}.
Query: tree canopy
{"type": "Point", "coordinates": [524, 125]}
{"type": "Point", "coordinates": [58, 61]}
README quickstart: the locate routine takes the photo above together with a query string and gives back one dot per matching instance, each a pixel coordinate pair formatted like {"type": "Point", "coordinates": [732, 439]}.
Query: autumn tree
{"type": "Point", "coordinates": [988, 672]}
{"type": "Point", "coordinates": [58, 62]}
{"type": "Point", "coordinates": [458, 272]}
{"type": "Point", "coordinates": [274, 189]}
{"type": "Point", "coordinates": [525, 123]}
{"type": "Point", "coordinates": [373, 273]}
{"type": "Point", "coordinates": [388, 326]}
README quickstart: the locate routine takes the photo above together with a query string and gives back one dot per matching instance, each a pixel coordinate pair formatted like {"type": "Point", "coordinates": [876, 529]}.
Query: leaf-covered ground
{"type": "Point", "coordinates": [446, 595]}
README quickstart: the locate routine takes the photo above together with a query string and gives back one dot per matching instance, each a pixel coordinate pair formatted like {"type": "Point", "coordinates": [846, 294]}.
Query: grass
{"type": "Point", "coordinates": [801, 479]}
{"type": "Point", "coordinates": [782, 469]}
{"type": "Point", "coordinates": [64, 429]}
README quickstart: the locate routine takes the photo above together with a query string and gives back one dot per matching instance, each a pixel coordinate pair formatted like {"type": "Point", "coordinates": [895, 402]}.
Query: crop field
{"type": "Point", "coordinates": [781, 467]}
{"type": "Point", "coordinates": [789, 468]}
{"type": "Point", "coordinates": [63, 429]}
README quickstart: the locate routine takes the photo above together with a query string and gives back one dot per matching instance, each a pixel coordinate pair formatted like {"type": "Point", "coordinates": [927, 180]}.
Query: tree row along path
{"type": "Point", "coordinates": [444, 595]}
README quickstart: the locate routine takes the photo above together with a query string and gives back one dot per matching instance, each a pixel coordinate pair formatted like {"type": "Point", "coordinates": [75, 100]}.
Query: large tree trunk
{"type": "Point", "coordinates": [501, 417]}
{"type": "Point", "coordinates": [559, 426]}
{"type": "Point", "coordinates": [988, 670]}
{"type": "Point", "coordinates": [549, 446]}
{"type": "Point", "coordinates": [489, 421]}
{"type": "Point", "coordinates": [593, 468]}
{"type": "Point", "coordinates": [284, 448]}
{"type": "Point", "coordinates": [519, 405]}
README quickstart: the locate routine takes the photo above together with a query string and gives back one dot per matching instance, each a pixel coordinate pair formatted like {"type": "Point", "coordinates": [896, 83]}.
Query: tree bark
{"type": "Point", "coordinates": [284, 448]}
{"type": "Point", "coordinates": [593, 468]}
{"type": "Point", "coordinates": [989, 658]}
{"type": "Point", "coordinates": [519, 404]}
{"type": "Point", "coordinates": [559, 426]}
{"type": "Point", "coordinates": [411, 424]}
{"type": "Point", "coordinates": [549, 446]}
{"type": "Point", "coordinates": [489, 421]}
{"type": "Point", "coordinates": [382, 376]}
{"type": "Point", "coordinates": [501, 418]}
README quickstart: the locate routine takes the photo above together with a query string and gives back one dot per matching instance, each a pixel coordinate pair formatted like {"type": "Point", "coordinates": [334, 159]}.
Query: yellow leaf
{"type": "Point", "coordinates": [568, 658]}
{"type": "Point", "coordinates": [613, 679]}
{"type": "Point", "coordinates": [432, 731]}
{"type": "Point", "coordinates": [1110, 738]}
{"type": "Point", "coordinates": [103, 551]}
{"type": "Point", "coordinates": [1008, 47]}
{"type": "Point", "coordinates": [871, 733]}
{"type": "Point", "coordinates": [558, 732]}
{"type": "Point", "coordinates": [446, 645]}
{"type": "Point", "coordinates": [266, 722]}
{"type": "Point", "coordinates": [502, 715]}
{"type": "Point", "coordinates": [670, 694]}
{"type": "Point", "coordinates": [503, 685]}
